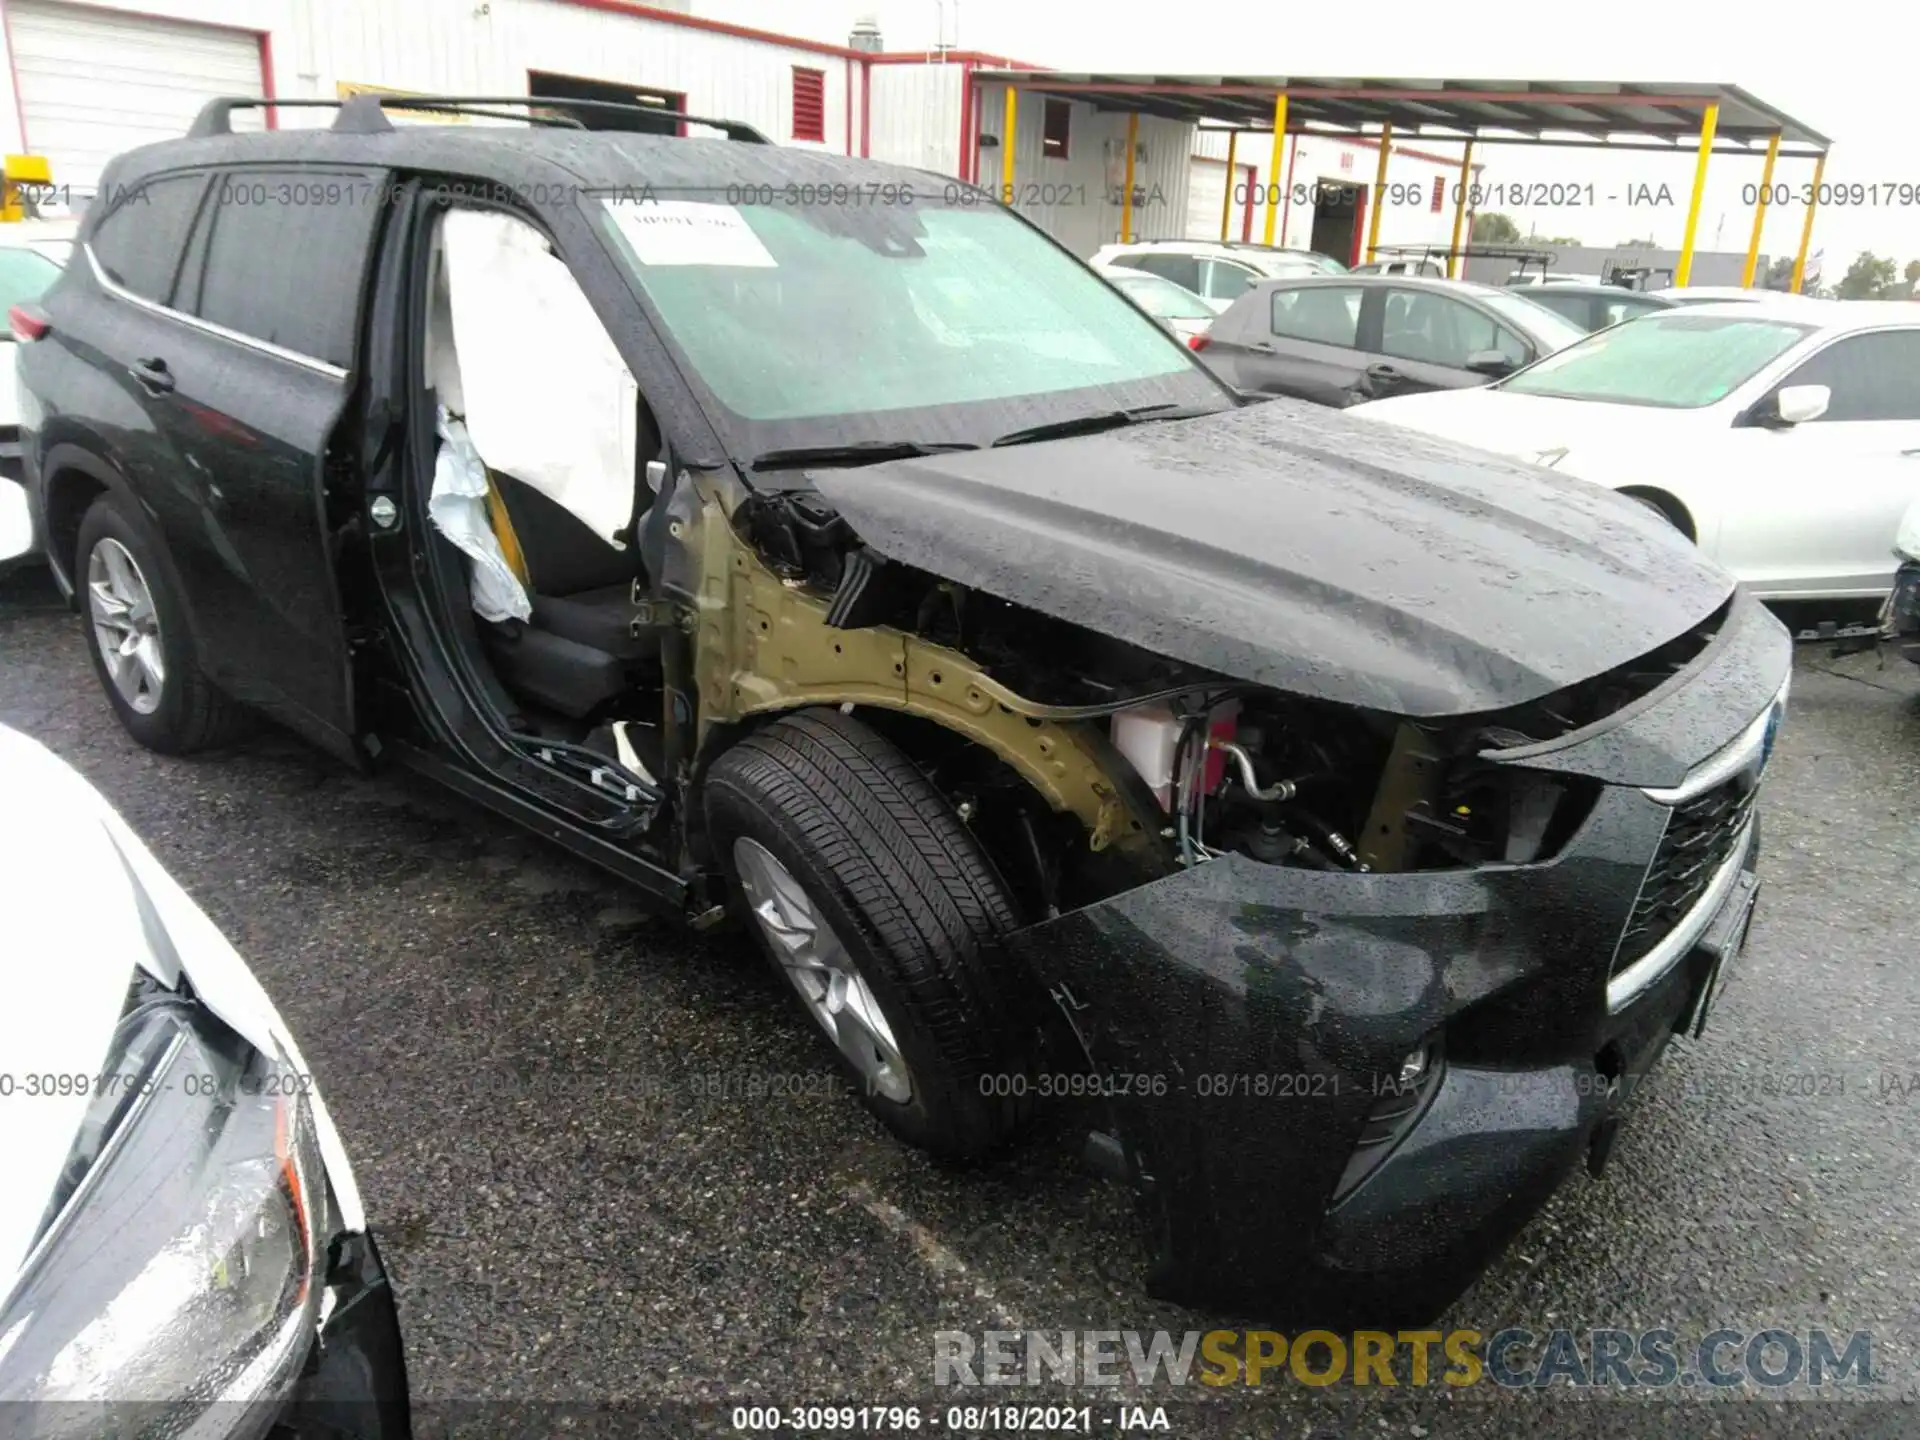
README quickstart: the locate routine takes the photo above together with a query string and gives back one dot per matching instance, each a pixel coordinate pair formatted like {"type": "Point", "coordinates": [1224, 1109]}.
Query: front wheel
{"type": "Point", "coordinates": [136, 632]}
{"type": "Point", "coordinates": [880, 910]}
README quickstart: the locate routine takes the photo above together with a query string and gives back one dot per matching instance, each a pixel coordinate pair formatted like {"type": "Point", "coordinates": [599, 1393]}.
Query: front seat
{"type": "Point", "coordinates": [581, 648]}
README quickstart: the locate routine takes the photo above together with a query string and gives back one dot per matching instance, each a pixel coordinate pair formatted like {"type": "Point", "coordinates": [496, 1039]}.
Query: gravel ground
{"type": "Point", "coordinates": [533, 1079]}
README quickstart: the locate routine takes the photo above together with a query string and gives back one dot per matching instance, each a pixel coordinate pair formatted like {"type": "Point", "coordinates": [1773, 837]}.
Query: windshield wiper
{"type": "Point", "coordinates": [1104, 420]}
{"type": "Point", "coordinates": [858, 452]}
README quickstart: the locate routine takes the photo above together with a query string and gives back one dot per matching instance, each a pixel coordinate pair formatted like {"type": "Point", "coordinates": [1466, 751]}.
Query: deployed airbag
{"type": "Point", "coordinates": [458, 506]}
{"type": "Point", "coordinates": [548, 399]}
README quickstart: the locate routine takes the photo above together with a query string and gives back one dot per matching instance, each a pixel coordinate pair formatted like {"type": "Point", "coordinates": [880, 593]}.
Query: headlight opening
{"type": "Point", "coordinates": [183, 1269]}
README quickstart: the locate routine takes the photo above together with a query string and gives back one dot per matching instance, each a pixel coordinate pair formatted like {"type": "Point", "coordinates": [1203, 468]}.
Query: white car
{"type": "Point", "coordinates": [31, 254]}
{"type": "Point", "coordinates": [1783, 438]}
{"type": "Point", "coordinates": [1211, 269]}
{"type": "Point", "coordinates": [180, 1231]}
{"type": "Point", "coordinates": [1174, 306]}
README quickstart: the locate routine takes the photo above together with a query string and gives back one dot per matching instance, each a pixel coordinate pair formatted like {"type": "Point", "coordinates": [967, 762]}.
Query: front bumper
{"type": "Point", "coordinates": [1900, 619]}
{"type": "Point", "coordinates": [354, 1385]}
{"type": "Point", "coordinates": [1250, 1022]}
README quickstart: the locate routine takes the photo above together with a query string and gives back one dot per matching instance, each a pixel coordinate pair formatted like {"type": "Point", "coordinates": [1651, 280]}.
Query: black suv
{"type": "Point", "coordinates": [1348, 818]}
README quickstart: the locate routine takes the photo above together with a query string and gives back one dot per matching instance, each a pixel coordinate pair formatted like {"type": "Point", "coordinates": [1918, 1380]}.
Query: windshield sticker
{"type": "Point", "coordinates": [689, 232]}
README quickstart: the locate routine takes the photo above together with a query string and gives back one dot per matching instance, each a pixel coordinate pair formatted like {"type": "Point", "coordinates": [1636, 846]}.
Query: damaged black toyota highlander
{"type": "Point", "coordinates": [1354, 815]}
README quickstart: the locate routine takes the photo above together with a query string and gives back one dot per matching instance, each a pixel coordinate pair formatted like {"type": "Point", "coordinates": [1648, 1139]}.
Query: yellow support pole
{"type": "Point", "coordinates": [1806, 226]}
{"type": "Point", "coordinates": [1709, 122]}
{"type": "Point", "coordinates": [1007, 133]}
{"type": "Point", "coordinates": [1379, 191]}
{"type": "Point", "coordinates": [1760, 214]}
{"type": "Point", "coordinates": [1226, 200]}
{"type": "Point", "coordinates": [1460, 209]}
{"type": "Point", "coordinates": [1274, 180]}
{"type": "Point", "coordinates": [1126, 200]}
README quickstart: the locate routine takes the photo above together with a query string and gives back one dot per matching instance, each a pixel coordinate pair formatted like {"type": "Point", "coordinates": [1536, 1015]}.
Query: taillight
{"type": "Point", "coordinates": [27, 323]}
{"type": "Point", "coordinates": [1197, 342]}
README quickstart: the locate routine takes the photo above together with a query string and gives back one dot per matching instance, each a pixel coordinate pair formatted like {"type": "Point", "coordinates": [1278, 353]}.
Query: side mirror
{"type": "Point", "coordinates": [1491, 362]}
{"type": "Point", "coordinates": [1797, 404]}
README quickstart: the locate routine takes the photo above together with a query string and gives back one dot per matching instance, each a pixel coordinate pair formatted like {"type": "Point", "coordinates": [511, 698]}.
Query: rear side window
{"type": "Point", "coordinates": [1325, 314]}
{"type": "Point", "coordinates": [140, 240]}
{"type": "Point", "coordinates": [284, 258]}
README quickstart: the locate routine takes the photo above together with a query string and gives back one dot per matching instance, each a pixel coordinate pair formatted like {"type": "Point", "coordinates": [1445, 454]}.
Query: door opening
{"type": "Point", "coordinates": [573, 87]}
{"type": "Point", "coordinates": [1337, 218]}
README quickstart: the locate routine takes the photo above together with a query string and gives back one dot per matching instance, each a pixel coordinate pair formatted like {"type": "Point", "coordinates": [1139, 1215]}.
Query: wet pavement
{"type": "Point", "coordinates": [610, 1161]}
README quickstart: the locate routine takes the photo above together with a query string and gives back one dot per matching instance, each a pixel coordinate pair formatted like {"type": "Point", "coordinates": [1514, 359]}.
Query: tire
{"type": "Point", "coordinates": [175, 710]}
{"type": "Point", "coordinates": [892, 874]}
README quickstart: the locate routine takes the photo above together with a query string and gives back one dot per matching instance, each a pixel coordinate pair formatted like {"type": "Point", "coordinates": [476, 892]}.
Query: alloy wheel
{"type": "Point", "coordinates": [126, 625]}
{"type": "Point", "coordinates": [817, 964]}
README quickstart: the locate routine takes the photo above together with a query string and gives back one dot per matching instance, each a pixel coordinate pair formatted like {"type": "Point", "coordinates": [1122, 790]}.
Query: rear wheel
{"type": "Point", "coordinates": [137, 635]}
{"type": "Point", "coordinates": [880, 910]}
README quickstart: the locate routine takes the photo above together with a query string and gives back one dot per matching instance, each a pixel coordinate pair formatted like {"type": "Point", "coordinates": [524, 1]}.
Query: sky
{"type": "Point", "coordinates": [1849, 69]}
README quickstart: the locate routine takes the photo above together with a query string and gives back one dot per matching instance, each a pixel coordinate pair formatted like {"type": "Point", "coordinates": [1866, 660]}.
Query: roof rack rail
{"type": "Point", "coordinates": [1470, 251]}
{"type": "Point", "coordinates": [364, 114]}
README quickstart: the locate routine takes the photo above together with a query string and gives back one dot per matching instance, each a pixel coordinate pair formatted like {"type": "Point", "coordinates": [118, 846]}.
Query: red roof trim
{"type": "Point", "coordinates": [934, 57]}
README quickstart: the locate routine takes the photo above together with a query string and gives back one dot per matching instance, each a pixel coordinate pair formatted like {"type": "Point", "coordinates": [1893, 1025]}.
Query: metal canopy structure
{"type": "Point", "coordinates": [1674, 117]}
{"type": "Point", "coordinates": [1436, 109]}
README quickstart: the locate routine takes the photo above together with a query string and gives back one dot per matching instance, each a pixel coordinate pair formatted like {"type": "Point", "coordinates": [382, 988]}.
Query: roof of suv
{"type": "Point", "coordinates": [1398, 282]}
{"type": "Point", "coordinates": [529, 156]}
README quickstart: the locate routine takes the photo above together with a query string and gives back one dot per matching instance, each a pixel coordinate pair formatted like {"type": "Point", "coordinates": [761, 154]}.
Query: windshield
{"type": "Point", "coordinates": [24, 275]}
{"type": "Point", "coordinates": [1160, 296]}
{"type": "Point", "coordinates": [1674, 359]}
{"type": "Point", "coordinates": [1549, 327]}
{"type": "Point", "coordinates": [814, 319]}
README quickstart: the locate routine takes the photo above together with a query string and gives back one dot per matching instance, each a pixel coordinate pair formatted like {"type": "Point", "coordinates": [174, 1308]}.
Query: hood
{"type": "Point", "coordinates": [74, 950]}
{"type": "Point", "coordinates": [73, 879]}
{"type": "Point", "coordinates": [1524, 425]}
{"type": "Point", "coordinates": [1299, 547]}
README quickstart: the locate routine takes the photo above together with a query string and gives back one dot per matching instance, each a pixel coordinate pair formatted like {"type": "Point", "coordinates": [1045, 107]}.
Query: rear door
{"type": "Point", "coordinates": [109, 317]}
{"type": "Point", "coordinates": [255, 374]}
{"type": "Point", "coordinates": [1822, 499]}
{"type": "Point", "coordinates": [1295, 340]}
{"type": "Point", "coordinates": [1426, 339]}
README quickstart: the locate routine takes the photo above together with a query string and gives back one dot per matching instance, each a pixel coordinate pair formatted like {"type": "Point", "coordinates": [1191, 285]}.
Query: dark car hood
{"type": "Point", "coordinates": [1302, 548]}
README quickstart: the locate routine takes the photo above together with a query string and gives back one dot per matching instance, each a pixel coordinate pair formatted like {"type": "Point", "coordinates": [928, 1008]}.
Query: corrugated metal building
{"type": "Point", "coordinates": [85, 80]}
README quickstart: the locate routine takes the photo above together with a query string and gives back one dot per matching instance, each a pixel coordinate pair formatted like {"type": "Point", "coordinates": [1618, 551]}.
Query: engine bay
{"type": "Point", "coordinates": [1233, 768]}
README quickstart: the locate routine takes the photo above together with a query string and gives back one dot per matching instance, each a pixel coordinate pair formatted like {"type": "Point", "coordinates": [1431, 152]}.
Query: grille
{"type": "Point", "coordinates": [1700, 836]}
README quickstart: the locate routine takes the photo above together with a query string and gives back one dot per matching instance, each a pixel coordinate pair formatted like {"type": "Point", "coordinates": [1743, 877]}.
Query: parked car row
{"type": "Point", "coordinates": [1713, 415]}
